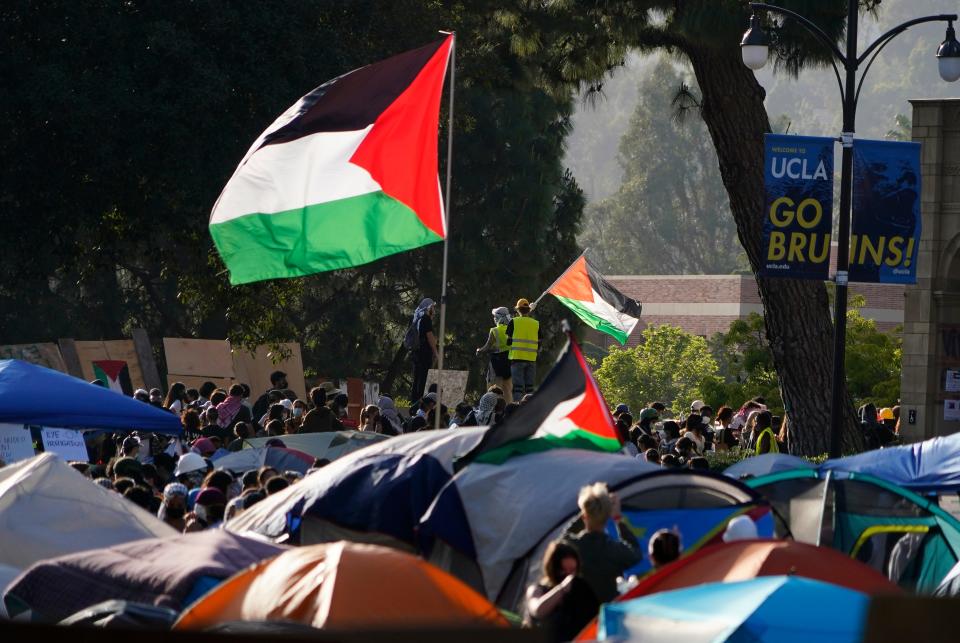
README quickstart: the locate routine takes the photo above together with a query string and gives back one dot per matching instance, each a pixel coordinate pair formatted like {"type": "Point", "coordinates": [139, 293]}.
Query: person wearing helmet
{"type": "Point", "coordinates": [190, 470]}
{"type": "Point", "coordinates": [523, 339]}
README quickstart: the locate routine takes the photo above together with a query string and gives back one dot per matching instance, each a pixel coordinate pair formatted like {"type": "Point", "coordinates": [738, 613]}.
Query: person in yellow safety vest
{"type": "Point", "coordinates": [523, 338]}
{"type": "Point", "coordinates": [498, 371]}
{"type": "Point", "coordinates": [765, 439]}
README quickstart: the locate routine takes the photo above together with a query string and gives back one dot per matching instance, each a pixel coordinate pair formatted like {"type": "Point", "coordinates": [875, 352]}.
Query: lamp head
{"type": "Point", "coordinates": [754, 46]}
{"type": "Point", "coordinates": [948, 56]}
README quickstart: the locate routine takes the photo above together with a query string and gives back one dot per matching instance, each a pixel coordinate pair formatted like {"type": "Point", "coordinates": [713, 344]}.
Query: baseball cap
{"type": "Point", "coordinates": [648, 414]}
{"type": "Point", "coordinates": [621, 408]}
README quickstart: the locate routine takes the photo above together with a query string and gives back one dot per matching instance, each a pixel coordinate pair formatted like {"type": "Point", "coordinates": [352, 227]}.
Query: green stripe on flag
{"type": "Point", "coordinates": [593, 320]}
{"type": "Point", "coordinates": [575, 439]}
{"type": "Point", "coordinates": [323, 236]}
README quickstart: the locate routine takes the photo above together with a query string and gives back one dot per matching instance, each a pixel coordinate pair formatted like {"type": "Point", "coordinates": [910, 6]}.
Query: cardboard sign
{"type": "Point", "coordinates": [66, 443]}
{"type": "Point", "coordinates": [798, 218]}
{"type": "Point", "coordinates": [453, 385]}
{"type": "Point", "coordinates": [15, 443]}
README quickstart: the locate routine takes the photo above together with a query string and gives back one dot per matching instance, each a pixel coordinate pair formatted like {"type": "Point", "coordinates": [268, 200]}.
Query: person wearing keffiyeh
{"type": "Point", "coordinates": [232, 409]}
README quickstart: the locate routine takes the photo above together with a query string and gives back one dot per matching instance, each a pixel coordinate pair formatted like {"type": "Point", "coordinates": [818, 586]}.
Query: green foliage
{"type": "Point", "coordinates": [745, 366]}
{"type": "Point", "coordinates": [873, 361]}
{"type": "Point", "coordinates": [671, 185]}
{"type": "Point", "coordinates": [669, 365]}
{"type": "Point", "coordinates": [722, 460]}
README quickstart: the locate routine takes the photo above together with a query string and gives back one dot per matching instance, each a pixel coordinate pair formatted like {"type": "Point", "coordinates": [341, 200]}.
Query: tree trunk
{"type": "Point", "coordinates": [796, 312]}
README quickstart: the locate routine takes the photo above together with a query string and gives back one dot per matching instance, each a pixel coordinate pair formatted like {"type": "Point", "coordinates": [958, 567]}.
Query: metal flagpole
{"type": "Point", "coordinates": [446, 230]}
{"type": "Point", "coordinates": [557, 280]}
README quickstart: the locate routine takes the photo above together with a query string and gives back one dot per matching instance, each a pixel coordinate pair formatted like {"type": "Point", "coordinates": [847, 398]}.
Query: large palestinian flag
{"type": "Point", "coordinates": [345, 176]}
{"type": "Point", "coordinates": [567, 411]}
{"type": "Point", "coordinates": [593, 299]}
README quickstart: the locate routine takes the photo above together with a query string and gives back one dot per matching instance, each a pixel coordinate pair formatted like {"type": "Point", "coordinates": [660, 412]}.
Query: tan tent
{"type": "Point", "coordinates": [344, 585]}
{"type": "Point", "coordinates": [48, 509]}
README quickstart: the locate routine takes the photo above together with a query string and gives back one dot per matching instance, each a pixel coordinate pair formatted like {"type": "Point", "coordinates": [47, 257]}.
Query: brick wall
{"type": "Point", "coordinates": [708, 304]}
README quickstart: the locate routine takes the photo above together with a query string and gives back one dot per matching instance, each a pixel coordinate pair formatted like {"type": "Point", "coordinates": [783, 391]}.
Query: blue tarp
{"type": "Point", "coordinates": [780, 609]}
{"type": "Point", "coordinates": [34, 395]}
{"type": "Point", "coordinates": [933, 465]}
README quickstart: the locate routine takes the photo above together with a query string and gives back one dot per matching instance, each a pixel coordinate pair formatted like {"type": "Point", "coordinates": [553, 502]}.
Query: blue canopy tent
{"type": "Point", "coordinates": [34, 395]}
{"type": "Point", "coordinates": [930, 466]}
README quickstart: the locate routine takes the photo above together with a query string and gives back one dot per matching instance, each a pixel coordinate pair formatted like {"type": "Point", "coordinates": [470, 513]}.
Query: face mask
{"type": "Point", "coordinates": [297, 411]}
{"type": "Point", "coordinates": [201, 512]}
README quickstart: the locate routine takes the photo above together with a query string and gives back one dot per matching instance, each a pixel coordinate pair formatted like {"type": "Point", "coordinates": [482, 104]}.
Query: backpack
{"type": "Point", "coordinates": [412, 339]}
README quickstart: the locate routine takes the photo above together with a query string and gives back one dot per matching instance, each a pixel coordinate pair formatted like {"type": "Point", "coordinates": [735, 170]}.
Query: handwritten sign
{"type": "Point", "coordinates": [66, 443]}
{"type": "Point", "coordinates": [15, 443]}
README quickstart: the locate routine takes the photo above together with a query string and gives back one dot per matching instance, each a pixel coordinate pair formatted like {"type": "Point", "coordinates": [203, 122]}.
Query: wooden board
{"type": "Point", "coordinates": [118, 349]}
{"type": "Point", "coordinates": [255, 369]}
{"type": "Point", "coordinates": [205, 358]}
{"type": "Point", "coordinates": [43, 354]}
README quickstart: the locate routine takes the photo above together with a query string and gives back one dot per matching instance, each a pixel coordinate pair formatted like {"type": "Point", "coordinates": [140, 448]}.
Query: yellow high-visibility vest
{"type": "Point", "coordinates": [524, 344]}
{"type": "Point", "coordinates": [500, 334]}
{"type": "Point", "coordinates": [774, 447]}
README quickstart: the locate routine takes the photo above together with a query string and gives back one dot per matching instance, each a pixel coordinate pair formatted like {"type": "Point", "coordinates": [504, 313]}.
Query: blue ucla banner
{"type": "Point", "coordinates": [798, 217]}
{"type": "Point", "coordinates": [886, 212]}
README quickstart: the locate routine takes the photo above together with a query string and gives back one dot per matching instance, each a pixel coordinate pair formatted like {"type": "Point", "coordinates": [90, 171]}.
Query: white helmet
{"type": "Point", "coordinates": [189, 462]}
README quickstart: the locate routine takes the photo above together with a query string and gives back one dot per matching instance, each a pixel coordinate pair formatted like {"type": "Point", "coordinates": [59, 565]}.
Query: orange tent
{"type": "Point", "coordinates": [344, 586]}
{"type": "Point", "coordinates": [747, 559]}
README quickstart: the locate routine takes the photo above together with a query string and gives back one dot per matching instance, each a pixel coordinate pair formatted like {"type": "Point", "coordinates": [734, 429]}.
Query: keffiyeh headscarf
{"type": "Point", "coordinates": [501, 315]}
{"type": "Point", "coordinates": [485, 408]}
{"type": "Point", "coordinates": [389, 413]}
{"type": "Point", "coordinates": [422, 310]}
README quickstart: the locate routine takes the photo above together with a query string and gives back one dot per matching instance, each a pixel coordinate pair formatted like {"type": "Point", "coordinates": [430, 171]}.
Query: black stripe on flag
{"type": "Point", "coordinates": [611, 295]}
{"type": "Point", "coordinates": [353, 101]}
{"type": "Point", "coordinates": [565, 381]}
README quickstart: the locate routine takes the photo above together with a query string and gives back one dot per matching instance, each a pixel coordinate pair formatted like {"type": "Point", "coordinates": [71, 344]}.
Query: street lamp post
{"type": "Point", "coordinates": [754, 49]}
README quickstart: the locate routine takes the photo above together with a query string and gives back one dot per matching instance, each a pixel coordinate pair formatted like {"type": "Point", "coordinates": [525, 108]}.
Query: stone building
{"type": "Point", "coordinates": [931, 339]}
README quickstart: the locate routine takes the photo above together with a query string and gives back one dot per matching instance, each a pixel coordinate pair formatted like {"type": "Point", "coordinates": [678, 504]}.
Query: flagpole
{"type": "Point", "coordinates": [557, 280]}
{"type": "Point", "coordinates": [446, 231]}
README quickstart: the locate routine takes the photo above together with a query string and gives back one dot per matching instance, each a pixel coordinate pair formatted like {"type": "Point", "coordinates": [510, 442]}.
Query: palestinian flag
{"type": "Point", "coordinates": [346, 176]}
{"type": "Point", "coordinates": [567, 411]}
{"type": "Point", "coordinates": [115, 374]}
{"type": "Point", "coordinates": [593, 299]}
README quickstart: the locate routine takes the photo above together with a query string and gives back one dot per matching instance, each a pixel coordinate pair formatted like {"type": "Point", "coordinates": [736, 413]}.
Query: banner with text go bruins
{"type": "Point", "coordinates": [798, 219]}
{"type": "Point", "coordinates": [886, 212]}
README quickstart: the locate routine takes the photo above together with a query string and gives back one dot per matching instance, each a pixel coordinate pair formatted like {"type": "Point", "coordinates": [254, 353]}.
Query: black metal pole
{"type": "Point", "coordinates": [837, 402]}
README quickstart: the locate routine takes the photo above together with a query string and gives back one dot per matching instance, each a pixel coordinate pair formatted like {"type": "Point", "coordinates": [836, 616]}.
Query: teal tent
{"type": "Point", "coordinates": [903, 535]}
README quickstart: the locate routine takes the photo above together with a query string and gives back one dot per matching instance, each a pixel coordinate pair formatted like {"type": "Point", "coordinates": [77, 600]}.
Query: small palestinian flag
{"type": "Point", "coordinates": [593, 299]}
{"type": "Point", "coordinates": [114, 374]}
{"type": "Point", "coordinates": [567, 411]}
{"type": "Point", "coordinates": [346, 176]}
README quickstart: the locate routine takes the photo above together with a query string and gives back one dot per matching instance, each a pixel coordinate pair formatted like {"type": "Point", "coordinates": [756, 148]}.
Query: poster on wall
{"type": "Point", "coordinates": [798, 212]}
{"type": "Point", "coordinates": [885, 234]}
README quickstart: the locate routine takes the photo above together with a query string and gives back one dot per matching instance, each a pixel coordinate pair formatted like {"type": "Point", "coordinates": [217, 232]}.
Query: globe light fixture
{"type": "Point", "coordinates": [754, 46]}
{"type": "Point", "coordinates": [948, 56]}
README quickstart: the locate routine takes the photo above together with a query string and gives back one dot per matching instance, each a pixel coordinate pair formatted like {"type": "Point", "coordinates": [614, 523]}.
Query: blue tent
{"type": "Point", "coordinates": [34, 395]}
{"type": "Point", "coordinates": [933, 465]}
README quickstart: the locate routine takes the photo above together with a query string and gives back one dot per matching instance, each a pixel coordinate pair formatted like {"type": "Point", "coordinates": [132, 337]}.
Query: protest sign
{"type": "Point", "coordinates": [15, 443]}
{"type": "Point", "coordinates": [798, 216]}
{"type": "Point", "coordinates": [886, 212]}
{"type": "Point", "coordinates": [66, 443]}
{"type": "Point", "coordinates": [453, 385]}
